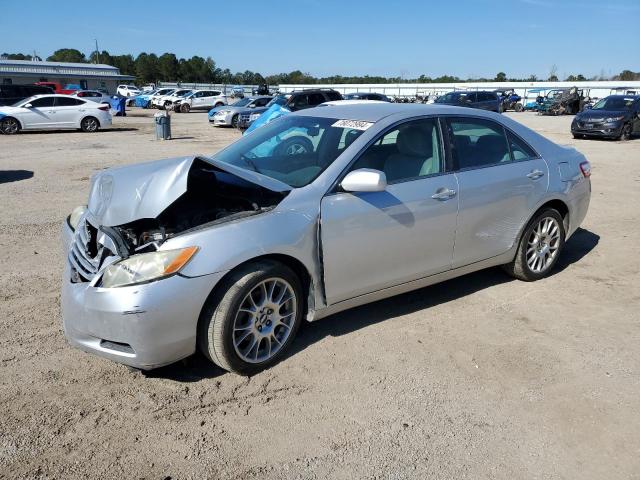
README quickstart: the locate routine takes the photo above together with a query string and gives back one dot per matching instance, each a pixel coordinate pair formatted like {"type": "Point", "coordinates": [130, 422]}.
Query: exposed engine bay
{"type": "Point", "coordinates": [212, 196]}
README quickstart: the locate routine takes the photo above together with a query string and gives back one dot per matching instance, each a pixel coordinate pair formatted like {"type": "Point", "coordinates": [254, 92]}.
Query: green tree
{"type": "Point", "coordinates": [147, 68]}
{"type": "Point", "coordinates": [627, 76]}
{"type": "Point", "coordinates": [67, 55]}
{"type": "Point", "coordinates": [168, 67]}
{"type": "Point", "coordinates": [501, 77]}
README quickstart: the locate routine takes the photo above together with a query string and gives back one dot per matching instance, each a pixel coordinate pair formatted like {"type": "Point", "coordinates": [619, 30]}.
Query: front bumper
{"type": "Point", "coordinates": [223, 120]}
{"type": "Point", "coordinates": [607, 130]}
{"type": "Point", "coordinates": [144, 326]}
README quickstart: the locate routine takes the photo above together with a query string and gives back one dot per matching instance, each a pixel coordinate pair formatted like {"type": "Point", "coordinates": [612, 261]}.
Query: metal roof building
{"type": "Point", "coordinates": [87, 75]}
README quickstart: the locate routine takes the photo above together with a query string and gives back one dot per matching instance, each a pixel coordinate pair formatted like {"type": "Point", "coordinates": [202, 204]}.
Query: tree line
{"type": "Point", "coordinates": [151, 68]}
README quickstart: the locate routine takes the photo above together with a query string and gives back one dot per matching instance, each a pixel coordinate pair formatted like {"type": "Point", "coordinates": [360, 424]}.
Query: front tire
{"type": "Point", "coordinates": [252, 318]}
{"type": "Point", "coordinates": [89, 124]}
{"type": "Point", "coordinates": [625, 134]}
{"type": "Point", "coordinates": [540, 247]}
{"type": "Point", "coordinates": [234, 120]}
{"type": "Point", "coordinates": [9, 126]}
{"type": "Point", "coordinates": [185, 107]}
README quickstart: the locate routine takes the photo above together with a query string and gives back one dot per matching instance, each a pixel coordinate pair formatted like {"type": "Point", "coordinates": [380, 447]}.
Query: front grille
{"type": "Point", "coordinates": [86, 254]}
{"type": "Point", "coordinates": [244, 117]}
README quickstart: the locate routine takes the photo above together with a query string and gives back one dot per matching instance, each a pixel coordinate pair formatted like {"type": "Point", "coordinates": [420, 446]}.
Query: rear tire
{"type": "Point", "coordinates": [185, 107]}
{"type": "Point", "coordinates": [540, 247]}
{"type": "Point", "coordinates": [89, 124]}
{"type": "Point", "coordinates": [9, 126]}
{"type": "Point", "coordinates": [252, 317]}
{"type": "Point", "coordinates": [296, 145]}
{"type": "Point", "coordinates": [518, 107]}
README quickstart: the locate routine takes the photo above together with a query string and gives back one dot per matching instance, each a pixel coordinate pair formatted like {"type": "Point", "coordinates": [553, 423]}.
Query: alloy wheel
{"type": "Point", "coordinates": [90, 124]}
{"type": "Point", "coordinates": [264, 320]}
{"type": "Point", "coordinates": [543, 244]}
{"type": "Point", "coordinates": [10, 126]}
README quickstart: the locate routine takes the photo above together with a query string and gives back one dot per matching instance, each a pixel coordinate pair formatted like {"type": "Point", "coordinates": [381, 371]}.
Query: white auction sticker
{"type": "Point", "coordinates": [354, 124]}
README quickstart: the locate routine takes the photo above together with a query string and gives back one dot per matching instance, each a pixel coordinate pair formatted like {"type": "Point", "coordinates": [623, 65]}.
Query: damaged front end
{"type": "Point", "coordinates": [134, 210]}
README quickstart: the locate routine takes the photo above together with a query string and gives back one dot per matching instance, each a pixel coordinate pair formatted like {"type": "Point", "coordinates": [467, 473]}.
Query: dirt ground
{"type": "Point", "coordinates": [479, 377]}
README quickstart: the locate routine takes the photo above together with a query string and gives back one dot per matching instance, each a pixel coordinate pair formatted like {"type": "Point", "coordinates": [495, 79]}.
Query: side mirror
{"type": "Point", "coordinates": [252, 105]}
{"type": "Point", "coordinates": [364, 180]}
{"type": "Point", "coordinates": [27, 105]}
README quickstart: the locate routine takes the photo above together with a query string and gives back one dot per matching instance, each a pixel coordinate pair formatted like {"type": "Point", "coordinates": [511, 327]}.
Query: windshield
{"type": "Point", "coordinates": [279, 100]}
{"type": "Point", "coordinates": [293, 149]}
{"type": "Point", "coordinates": [449, 97]}
{"type": "Point", "coordinates": [242, 102]}
{"type": "Point", "coordinates": [614, 103]}
{"type": "Point", "coordinates": [182, 93]}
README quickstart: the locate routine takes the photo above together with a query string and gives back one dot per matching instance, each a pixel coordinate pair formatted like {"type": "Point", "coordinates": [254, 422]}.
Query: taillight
{"type": "Point", "coordinates": [105, 108]}
{"type": "Point", "coordinates": [81, 94]}
{"type": "Point", "coordinates": [585, 167]}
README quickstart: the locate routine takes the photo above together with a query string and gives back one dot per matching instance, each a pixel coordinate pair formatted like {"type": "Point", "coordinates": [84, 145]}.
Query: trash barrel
{"type": "Point", "coordinates": [118, 106]}
{"type": "Point", "coordinates": [163, 126]}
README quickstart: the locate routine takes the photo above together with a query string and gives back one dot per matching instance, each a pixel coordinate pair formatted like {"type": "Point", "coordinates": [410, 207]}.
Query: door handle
{"type": "Point", "coordinates": [443, 194]}
{"type": "Point", "coordinates": [535, 174]}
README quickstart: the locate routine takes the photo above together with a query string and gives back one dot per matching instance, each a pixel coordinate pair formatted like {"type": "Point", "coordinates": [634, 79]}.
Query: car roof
{"type": "Point", "coordinates": [375, 111]}
{"type": "Point", "coordinates": [635, 97]}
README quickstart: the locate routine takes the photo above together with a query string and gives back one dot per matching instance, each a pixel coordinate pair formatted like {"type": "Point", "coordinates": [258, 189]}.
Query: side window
{"type": "Point", "coordinates": [67, 101]}
{"type": "Point", "coordinates": [333, 96]}
{"type": "Point", "coordinates": [519, 149]}
{"type": "Point", "coordinates": [316, 99]}
{"type": "Point", "coordinates": [477, 143]}
{"type": "Point", "coordinates": [409, 151]}
{"type": "Point", "coordinates": [215, 93]}
{"type": "Point", "coordinates": [42, 102]}
{"type": "Point", "coordinates": [299, 102]}
{"type": "Point", "coordinates": [261, 102]}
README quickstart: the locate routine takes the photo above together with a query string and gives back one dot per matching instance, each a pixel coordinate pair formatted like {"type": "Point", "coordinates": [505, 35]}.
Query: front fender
{"type": "Point", "coordinates": [225, 246]}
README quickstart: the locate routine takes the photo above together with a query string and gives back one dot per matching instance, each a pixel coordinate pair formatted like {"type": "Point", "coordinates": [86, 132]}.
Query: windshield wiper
{"type": "Point", "coordinates": [251, 163]}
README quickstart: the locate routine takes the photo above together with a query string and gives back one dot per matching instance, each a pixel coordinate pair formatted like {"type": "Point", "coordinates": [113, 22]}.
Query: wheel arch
{"type": "Point", "coordinates": [555, 203]}
{"type": "Point", "coordinates": [15, 118]}
{"type": "Point", "coordinates": [90, 116]}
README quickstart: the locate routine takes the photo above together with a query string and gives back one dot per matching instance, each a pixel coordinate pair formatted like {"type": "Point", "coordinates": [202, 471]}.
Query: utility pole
{"type": "Point", "coordinates": [97, 52]}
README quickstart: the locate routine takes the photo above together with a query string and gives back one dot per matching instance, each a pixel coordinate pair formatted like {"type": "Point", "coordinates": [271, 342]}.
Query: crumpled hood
{"type": "Point", "coordinates": [123, 194]}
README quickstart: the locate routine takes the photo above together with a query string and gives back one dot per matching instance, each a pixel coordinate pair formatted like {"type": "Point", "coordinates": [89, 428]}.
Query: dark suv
{"type": "Point", "coordinates": [10, 94]}
{"type": "Point", "coordinates": [293, 101]}
{"type": "Point", "coordinates": [482, 100]}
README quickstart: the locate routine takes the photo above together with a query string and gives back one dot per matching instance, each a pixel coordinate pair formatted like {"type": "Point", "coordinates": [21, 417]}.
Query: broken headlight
{"type": "Point", "coordinates": [75, 216]}
{"type": "Point", "coordinates": [146, 267]}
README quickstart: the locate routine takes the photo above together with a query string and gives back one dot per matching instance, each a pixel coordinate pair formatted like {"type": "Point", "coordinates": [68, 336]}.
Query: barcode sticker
{"type": "Point", "coordinates": [353, 124]}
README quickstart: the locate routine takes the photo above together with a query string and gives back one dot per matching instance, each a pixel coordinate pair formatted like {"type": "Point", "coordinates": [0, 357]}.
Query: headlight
{"type": "Point", "coordinates": [74, 218]}
{"type": "Point", "coordinates": [614, 119]}
{"type": "Point", "coordinates": [146, 267]}
{"type": "Point", "coordinates": [222, 112]}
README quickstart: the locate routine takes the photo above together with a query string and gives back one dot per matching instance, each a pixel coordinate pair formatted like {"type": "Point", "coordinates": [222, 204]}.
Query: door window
{"type": "Point", "coordinates": [68, 102]}
{"type": "Point", "coordinates": [519, 149]}
{"type": "Point", "coordinates": [261, 102]}
{"type": "Point", "coordinates": [477, 142]}
{"type": "Point", "coordinates": [42, 102]}
{"type": "Point", "coordinates": [411, 150]}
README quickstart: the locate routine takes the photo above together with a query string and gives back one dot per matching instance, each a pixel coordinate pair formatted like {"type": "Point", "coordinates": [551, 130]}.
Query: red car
{"type": "Point", "coordinates": [58, 88]}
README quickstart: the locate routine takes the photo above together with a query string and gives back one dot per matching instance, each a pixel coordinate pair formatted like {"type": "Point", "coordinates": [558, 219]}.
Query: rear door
{"type": "Point", "coordinates": [68, 111]}
{"type": "Point", "coordinates": [501, 182]}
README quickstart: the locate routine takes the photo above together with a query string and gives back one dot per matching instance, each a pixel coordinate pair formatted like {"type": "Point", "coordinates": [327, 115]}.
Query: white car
{"type": "Point", "coordinates": [200, 100]}
{"type": "Point", "coordinates": [160, 93]}
{"type": "Point", "coordinates": [54, 112]}
{"type": "Point", "coordinates": [128, 90]}
{"type": "Point", "coordinates": [166, 100]}
{"type": "Point", "coordinates": [94, 96]}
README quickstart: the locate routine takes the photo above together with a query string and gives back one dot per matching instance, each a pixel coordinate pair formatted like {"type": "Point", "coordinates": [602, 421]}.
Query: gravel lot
{"type": "Point", "coordinates": [479, 377]}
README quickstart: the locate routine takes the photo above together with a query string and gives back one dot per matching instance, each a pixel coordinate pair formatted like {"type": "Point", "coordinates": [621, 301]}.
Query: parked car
{"type": "Point", "coordinates": [11, 94]}
{"type": "Point", "coordinates": [54, 112]}
{"type": "Point", "coordinates": [142, 100]}
{"type": "Point", "coordinates": [159, 93]}
{"type": "Point", "coordinates": [615, 116]}
{"type": "Point", "coordinates": [199, 100]}
{"type": "Point", "coordinates": [231, 253]}
{"type": "Point", "coordinates": [69, 89]}
{"type": "Point", "coordinates": [230, 115]}
{"type": "Point", "coordinates": [93, 96]}
{"type": "Point", "coordinates": [237, 92]}
{"type": "Point", "coordinates": [366, 96]}
{"type": "Point", "coordinates": [247, 118]}
{"type": "Point", "coordinates": [481, 99]}
{"type": "Point", "coordinates": [161, 101]}
{"type": "Point", "coordinates": [291, 102]}
{"type": "Point", "coordinates": [128, 90]}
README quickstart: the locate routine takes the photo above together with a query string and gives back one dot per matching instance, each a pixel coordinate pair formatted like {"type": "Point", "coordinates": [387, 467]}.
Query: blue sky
{"type": "Point", "coordinates": [407, 38]}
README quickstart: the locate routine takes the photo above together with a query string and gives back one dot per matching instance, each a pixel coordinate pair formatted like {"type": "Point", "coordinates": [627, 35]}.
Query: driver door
{"type": "Point", "coordinates": [40, 115]}
{"type": "Point", "coordinates": [375, 240]}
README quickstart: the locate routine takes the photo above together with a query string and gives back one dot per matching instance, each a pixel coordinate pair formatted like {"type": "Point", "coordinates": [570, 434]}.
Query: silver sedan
{"type": "Point", "coordinates": [317, 212]}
